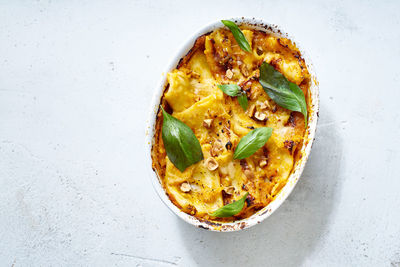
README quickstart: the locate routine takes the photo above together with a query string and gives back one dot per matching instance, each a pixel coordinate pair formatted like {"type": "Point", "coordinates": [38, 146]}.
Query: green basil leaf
{"type": "Point", "coordinates": [238, 34]}
{"type": "Point", "coordinates": [230, 89]}
{"type": "Point", "coordinates": [286, 94]}
{"type": "Point", "coordinates": [252, 142]}
{"type": "Point", "coordinates": [230, 209]}
{"type": "Point", "coordinates": [182, 147]}
{"type": "Point", "coordinates": [235, 90]}
{"type": "Point", "coordinates": [242, 99]}
{"type": "Point", "coordinates": [301, 99]}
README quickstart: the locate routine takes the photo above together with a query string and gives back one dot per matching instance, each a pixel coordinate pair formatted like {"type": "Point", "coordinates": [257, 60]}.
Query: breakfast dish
{"type": "Point", "coordinates": [247, 130]}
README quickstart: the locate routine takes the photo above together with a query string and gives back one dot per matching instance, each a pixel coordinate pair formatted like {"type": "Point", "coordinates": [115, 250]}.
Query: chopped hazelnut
{"type": "Point", "coordinates": [249, 173]}
{"type": "Point", "coordinates": [239, 62]}
{"type": "Point", "coordinates": [247, 85]}
{"type": "Point", "coordinates": [185, 187]}
{"type": "Point", "coordinates": [216, 148]}
{"type": "Point", "coordinates": [250, 111]}
{"type": "Point", "coordinates": [211, 164]}
{"type": "Point", "coordinates": [229, 74]}
{"type": "Point", "coordinates": [262, 105]}
{"type": "Point", "coordinates": [254, 92]}
{"type": "Point", "coordinates": [207, 123]}
{"type": "Point", "coordinates": [229, 190]}
{"type": "Point", "coordinates": [263, 163]}
{"type": "Point", "coordinates": [244, 70]}
{"type": "Point", "coordinates": [260, 116]}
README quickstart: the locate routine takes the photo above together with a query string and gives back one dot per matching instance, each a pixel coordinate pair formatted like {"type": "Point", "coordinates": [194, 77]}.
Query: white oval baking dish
{"type": "Point", "coordinates": [299, 166]}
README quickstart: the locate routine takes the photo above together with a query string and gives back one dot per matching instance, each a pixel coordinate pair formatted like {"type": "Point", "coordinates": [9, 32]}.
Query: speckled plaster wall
{"type": "Point", "coordinates": [76, 80]}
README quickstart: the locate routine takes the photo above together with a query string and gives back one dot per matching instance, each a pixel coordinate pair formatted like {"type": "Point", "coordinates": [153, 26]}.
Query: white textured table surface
{"type": "Point", "coordinates": [76, 80]}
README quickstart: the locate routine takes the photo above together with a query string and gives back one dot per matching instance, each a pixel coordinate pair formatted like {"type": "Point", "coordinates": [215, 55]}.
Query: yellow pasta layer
{"type": "Point", "coordinates": [219, 122]}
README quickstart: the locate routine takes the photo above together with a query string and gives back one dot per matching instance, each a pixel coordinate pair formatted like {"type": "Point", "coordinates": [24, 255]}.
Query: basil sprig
{"type": "Point", "coordinates": [286, 94]}
{"type": "Point", "coordinates": [230, 89]}
{"type": "Point", "coordinates": [230, 209]}
{"type": "Point", "coordinates": [252, 142]}
{"type": "Point", "coordinates": [242, 99]}
{"type": "Point", "coordinates": [182, 147]}
{"type": "Point", "coordinates": [238, 34]}
{"type": "Point", "coordinates": [235, 90]}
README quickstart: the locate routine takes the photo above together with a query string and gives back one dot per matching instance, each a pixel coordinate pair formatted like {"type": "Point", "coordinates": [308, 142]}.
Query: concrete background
{"type": "Point", "coordinates": [76, 80]}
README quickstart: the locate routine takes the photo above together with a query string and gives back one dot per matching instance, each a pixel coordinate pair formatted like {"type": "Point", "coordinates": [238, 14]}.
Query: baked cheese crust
{"type": "Point", "coordinates": [219, 122]}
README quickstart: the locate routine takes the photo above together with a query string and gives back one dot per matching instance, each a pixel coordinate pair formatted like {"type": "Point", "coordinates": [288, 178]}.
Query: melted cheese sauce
{"type": "Point", "coordinates": [192, 96]}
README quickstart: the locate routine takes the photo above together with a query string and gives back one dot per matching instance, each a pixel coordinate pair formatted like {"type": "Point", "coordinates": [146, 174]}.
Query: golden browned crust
{"type": "Point", "coordinates": [219, 62]}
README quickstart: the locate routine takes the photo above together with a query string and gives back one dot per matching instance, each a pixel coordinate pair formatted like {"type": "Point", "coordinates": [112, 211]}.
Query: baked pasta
{"type": "Point", "coordinates": [218, 121]}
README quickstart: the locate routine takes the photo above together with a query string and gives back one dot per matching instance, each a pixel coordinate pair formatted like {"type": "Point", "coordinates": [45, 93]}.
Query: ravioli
{"type": "Point", "coordinates": [219, 122]}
